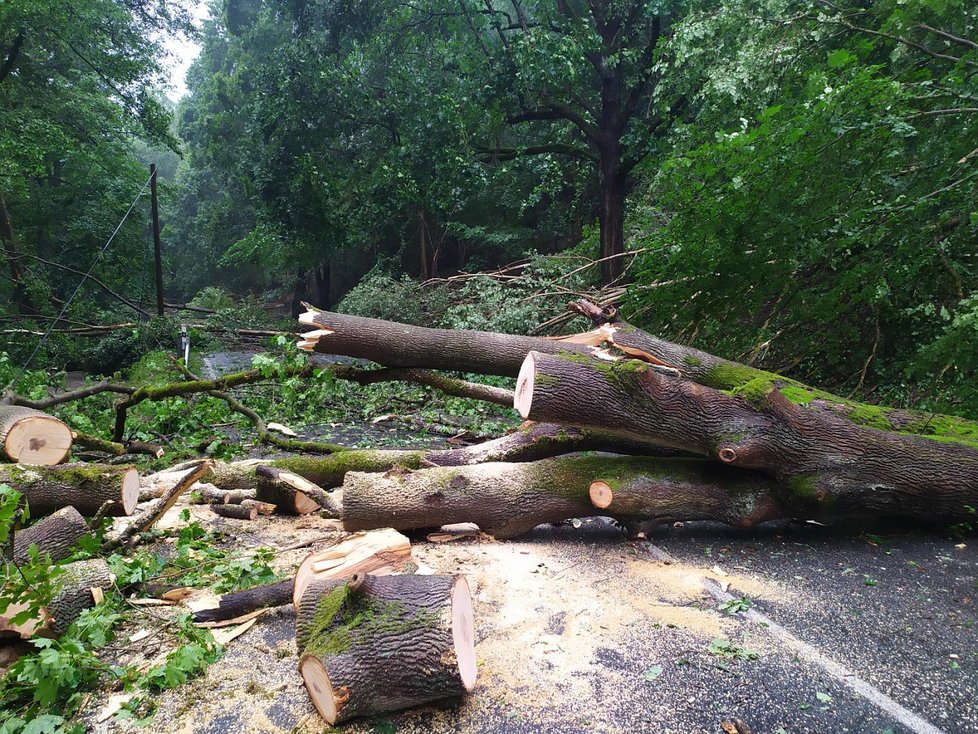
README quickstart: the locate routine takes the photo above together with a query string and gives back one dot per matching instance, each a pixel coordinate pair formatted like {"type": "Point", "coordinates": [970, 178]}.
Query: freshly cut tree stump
{"type": "Point", "coordinates": [235, 512]}
{"type": "Point", "coordinates": [72, 595]}
{"type": "Point", "coordinates": [29, 436]}
{"type": "Point", "coordinates": [291, 493]}
{"type": "Point", "coordinates": [55, 535]}
{"type": "Point", "coordinates": [385, 643]}
{"type": "Point", "coordinates": [86, 487]}
{"type": "Point", "coordinates": [379, 552]}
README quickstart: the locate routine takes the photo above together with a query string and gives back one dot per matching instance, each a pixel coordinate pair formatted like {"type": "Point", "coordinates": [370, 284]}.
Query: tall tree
{"type": "Point", "coordinates": [589, 78]}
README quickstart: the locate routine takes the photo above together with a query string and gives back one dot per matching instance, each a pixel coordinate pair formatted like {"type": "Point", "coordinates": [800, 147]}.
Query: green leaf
{"type": "Point", "coordinates": [652, 673]}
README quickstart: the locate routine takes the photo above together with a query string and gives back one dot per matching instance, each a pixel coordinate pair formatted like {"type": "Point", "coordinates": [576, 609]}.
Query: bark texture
{"type": "Point", "coordinates": [86, 487]}
{"type": "Point", "coordinates": [384, 643]}
{"type": "Point", "coordinates": [823, 461]}
{"type": "Point", "coordinates": [55, 535]}
{"type": "Point", "coordinates": [240, 603]}
{"type": "Point", "coordinates": [290, 493]}
{"type": "Point", "coordinates": [235, 512]}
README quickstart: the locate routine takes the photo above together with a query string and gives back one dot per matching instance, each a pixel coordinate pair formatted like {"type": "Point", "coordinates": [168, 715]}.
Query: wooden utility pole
{"type": "Point", "coordinates": [157, 246]}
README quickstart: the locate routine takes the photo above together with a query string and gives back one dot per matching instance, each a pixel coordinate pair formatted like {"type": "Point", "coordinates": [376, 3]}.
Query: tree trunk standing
{"type": "Point", "coordinates": [612, 187]}
{"type": "Point", "coordinates": [422, 245]}
{"type": "Point", "coordinates": [323, 276]}
{"type": "Point", "coordinates": [21, 298]}
{"type": "Point", "coordinates": [157, 244]}
{"type": "Point", "coordinates": [299, 293]}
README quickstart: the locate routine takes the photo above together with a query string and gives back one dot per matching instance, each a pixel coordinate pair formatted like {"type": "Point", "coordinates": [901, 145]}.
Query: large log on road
{"type": "Point", "coordinates": [824, 462]}
{"type": "Point", "coordinates": [86, 487]}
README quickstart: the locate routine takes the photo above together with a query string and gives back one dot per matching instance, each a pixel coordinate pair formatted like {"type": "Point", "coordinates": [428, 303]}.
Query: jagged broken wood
{"type": "Point", "coordinates": [86, 487]}
{"type": "Point", "coordinates": [383, 643]}
{"type": "Point", "coordinates": [30, 436]}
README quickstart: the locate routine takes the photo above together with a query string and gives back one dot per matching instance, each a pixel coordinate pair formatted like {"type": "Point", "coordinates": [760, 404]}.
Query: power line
{"type": "Point", "coordinates": [64, 309]}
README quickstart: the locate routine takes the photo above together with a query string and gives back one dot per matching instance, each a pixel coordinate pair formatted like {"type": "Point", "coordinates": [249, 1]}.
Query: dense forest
{"type": "Point", "coordinates": [790, 183]}
{"type": "Point", "coordinates": [742, 199]}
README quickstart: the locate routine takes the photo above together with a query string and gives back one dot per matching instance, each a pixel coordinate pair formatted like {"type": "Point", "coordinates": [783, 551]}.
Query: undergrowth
{"type": "Point", "coordinates": [45, 691]}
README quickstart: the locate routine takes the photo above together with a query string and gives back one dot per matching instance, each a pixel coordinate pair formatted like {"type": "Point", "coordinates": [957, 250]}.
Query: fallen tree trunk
{"type": "Point", "coordinates": [529, 442]}
{"type": "Point", "coordinates": [385, 643]}
{"type": "Point", "coordinates": [235, 512]}
{"type": "Point", "coordinates": [86, 487]}
{"type": "Point", "coordinates": [401, 345]}
{"type": "Point", "coordinates": [823, 462]}
{"type": "Point", "coordinates": [55, 535]}
{"type": "Point", "coordinates": [507, 500]}
{"type": "Point", "coordinates": [290, 493]}
{"type": "Point", "coordinates": [72, 594]}
{"type": "Point", "coordinates": [29, 436]}
{"type": "Point", "coordinates": [741, 380]}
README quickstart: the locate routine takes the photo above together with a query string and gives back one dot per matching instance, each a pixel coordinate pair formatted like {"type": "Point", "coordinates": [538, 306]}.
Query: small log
{"type": "Point", "coordinates": [86, 487]}
{"type": "Point", "coordinates": [72, 595]}
{"type": "Point", "coordinates": [55, 535]}
{"type": "Point", "coordinates": [291, 493]}
{"type": "Point", "coordinates": [29, 436]}
{"type": "Point", "coordinates": [380, 552]}
{"type": "Point", "coordinates": [240, 603]}
{"type": "Point", "coordinates": [385, 643]}
{"type": "Point", "coordinates": [263, 508]}
{"type": "Point", "coordinates": [236, 512]}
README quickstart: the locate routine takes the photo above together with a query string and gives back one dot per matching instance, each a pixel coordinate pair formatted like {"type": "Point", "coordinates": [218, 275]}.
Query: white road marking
{"type": "Point", "coordinates": [846, 677]}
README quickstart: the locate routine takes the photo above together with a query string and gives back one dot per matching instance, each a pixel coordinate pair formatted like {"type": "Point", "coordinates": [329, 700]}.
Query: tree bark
{"type": "Point", "coordinates": [55, 535]}
{"type": "Point", "coordinates": [86, 487]}
{"type": "Point", "coordinates": [31, 436]}
{"type": "Point", "coordinates": [820, 459]}
{"type": "Point", "coordinates": [244, 602]}
{"type": "Point", "coordinates": [385, 643]}
{"type": "Point", "coordinates": [400, 345]}
{"type": "Point", "coordinates": [611, 222]}
{"type": "Point", "coordinates": [507, 500]}
{"type": "Point", "coordinates": [290, 493]}
{"type": "Point", "coordinates": [529, 442]}
{"type": "Point", "coordinates": [235, 512]}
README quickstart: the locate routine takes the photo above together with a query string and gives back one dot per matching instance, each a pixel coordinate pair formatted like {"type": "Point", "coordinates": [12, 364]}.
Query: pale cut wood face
{"type": "Point", "coordinates": [38, 440]}
{"type": "Point", "coordinates": [463, 632]}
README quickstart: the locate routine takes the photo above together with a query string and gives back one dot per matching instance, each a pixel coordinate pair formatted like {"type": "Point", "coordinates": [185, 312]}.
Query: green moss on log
{"type": "Point", "coordinates": [345, 615]}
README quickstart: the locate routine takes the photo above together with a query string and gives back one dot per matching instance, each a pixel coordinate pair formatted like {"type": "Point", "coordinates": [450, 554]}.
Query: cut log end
{"type": "Point", "coordinates": [130, 491]}
{"type": "Point", "coordinates": [37, 439]}
{"type": "Point", "coordinates": [601, 495]}
{"type": "Point", "coordinates": [523, 396]}
{"type": "Point", "coordinates": [463, 632]}
{"type": "Point", "coordinates": [324, 698]}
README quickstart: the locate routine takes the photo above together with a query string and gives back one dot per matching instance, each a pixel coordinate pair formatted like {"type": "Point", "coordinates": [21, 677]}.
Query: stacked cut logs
{"type": "Point", "coordinates": [683, 435]}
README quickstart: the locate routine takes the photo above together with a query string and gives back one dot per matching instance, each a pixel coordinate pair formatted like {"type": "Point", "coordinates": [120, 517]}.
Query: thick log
{"type": "Point", "coordinates": [385, 643]}
{"type": "Point", "coordinates": [72, 595]}
{"type": "Point", "coordinates": [824, 463]}
{"type": "Point", "coordinates": [55, 535]}
{"type": "Point", "coordinates": [739, 379]}
{"type": "Point", "coordinates": [507, 500]}
{"type": "Point", "coordinates": [29, 436]}
{"type": "Point", "coordinates": [529, 442]}
{"type": "Point", "coordinates": [400, 345]}
{"type": "Point", "coordinates": [86, 487]}
{"type": "Point", "coordinates": [235, 512]}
